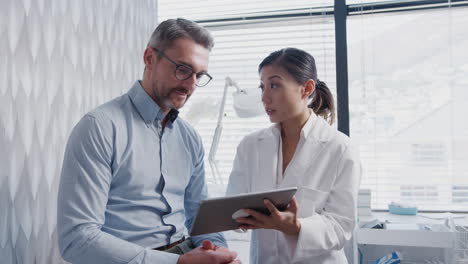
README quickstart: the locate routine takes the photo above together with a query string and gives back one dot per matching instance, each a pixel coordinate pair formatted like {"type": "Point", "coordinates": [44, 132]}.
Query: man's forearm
{"type": "Point", "coordinates": [91, 245]}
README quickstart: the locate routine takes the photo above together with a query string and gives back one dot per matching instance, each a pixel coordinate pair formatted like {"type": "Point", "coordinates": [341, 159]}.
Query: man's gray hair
{"type": "Point", "coordinates": [172, 29]}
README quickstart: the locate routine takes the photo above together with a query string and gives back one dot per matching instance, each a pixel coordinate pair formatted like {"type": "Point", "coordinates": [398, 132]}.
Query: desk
{"type": "Point", "coordinates": [408, 238]}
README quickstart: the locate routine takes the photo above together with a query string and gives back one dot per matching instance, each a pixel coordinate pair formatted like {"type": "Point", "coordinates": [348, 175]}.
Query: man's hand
{"type": "Point", "coordinates": [285, 221]}
{"type": "Point", "coordinates": [209, 253]}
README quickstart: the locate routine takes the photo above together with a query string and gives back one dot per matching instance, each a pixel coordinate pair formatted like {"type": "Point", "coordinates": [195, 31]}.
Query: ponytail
{"type": "Point", "coordinates": [322, 102]}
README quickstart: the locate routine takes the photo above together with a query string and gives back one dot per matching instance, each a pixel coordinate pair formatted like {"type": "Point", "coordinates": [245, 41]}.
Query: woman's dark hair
{"type": "Point", "coordinates": [301, 66]}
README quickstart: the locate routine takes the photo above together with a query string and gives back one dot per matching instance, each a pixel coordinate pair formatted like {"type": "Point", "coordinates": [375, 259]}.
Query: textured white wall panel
{"type": "Point", "coordinates": [58, 60]}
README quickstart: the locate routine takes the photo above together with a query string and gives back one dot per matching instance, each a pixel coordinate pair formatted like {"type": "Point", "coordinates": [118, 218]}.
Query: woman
{"type": "Point", "coordinates": [300, 149]}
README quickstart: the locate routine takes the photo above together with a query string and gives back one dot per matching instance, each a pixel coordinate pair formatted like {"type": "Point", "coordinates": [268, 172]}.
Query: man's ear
{"type": "Point", "coordinates": [148, 58]}
{"type": "Point", "coordinates": [309, 88]}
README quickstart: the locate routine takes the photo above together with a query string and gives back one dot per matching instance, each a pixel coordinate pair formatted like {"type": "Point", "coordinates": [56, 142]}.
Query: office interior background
{"type": "Point", "coordinates": [398, 69]}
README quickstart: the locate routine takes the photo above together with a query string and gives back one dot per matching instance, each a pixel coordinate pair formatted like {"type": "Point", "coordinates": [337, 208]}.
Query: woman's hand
{"type": "Point", "coordinates": [285, 221]}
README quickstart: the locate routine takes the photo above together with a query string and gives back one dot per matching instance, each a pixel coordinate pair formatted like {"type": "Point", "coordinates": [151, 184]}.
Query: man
{"type": "Point", "coordinates": [133, 173]}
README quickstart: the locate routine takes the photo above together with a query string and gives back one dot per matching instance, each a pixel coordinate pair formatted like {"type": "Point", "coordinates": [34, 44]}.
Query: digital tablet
{"type": "Point", "coordinates": [218, 214]}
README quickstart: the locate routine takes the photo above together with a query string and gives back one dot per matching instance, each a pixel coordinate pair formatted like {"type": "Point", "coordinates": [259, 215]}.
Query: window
{"type": "Point", "coordinates": [408, 75]}
{"type": "Point", "coordinates": [428, 154]}
{"type": "Point", "coordinates": [460, 194]}
{"type": "Point", "coordinates": [407, 87]}
{"type": "Point", "coordinates": [239, 48]}
{"type": "Point", "coordinates": [419, 193]}
{"type": "Point", "coordinates": [222, 9]}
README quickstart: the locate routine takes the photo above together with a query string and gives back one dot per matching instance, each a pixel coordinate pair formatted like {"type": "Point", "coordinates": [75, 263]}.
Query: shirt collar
{"type": "Point", "coordinates": [146, 106]}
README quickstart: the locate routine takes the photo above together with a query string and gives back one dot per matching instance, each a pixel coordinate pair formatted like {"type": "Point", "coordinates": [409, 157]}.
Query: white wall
{"type": "Point", "coordinates": [58, 60]}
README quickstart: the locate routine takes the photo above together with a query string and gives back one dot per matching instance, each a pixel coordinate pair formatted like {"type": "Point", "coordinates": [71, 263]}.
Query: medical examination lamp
{"type": "Point", "coordinates": [247, 103]}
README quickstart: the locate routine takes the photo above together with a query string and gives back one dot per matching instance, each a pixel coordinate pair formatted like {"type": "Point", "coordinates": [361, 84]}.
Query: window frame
{"type": "Point", "coordinates": [340, 10]}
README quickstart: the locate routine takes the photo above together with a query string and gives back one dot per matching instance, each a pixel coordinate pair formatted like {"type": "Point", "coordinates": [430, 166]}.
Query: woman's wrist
{"type": "Point", "coordinates": [297, 227]}
{"type": "Point", "coordinates": [294, 229]}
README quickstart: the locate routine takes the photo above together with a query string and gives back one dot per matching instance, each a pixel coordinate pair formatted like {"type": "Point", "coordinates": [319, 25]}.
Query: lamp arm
{"type": "Point", "coordinates": [223, 101]}
{"type": "Point", "coordinates": [219, 128]}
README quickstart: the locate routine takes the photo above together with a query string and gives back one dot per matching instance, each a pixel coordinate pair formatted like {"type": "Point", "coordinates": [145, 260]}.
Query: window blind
{"type": "Point", "coordinates": [240, 46]}
{"type": "Point", "coordinates": [222, 9]}
{"type": "Point", "coordinates": [408, 80]}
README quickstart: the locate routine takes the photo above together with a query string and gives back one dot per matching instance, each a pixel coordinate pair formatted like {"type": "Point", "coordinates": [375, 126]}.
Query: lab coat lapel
{"type": "Point", "coordinates": [305, 158]}
{"type": "Point", "coordinates": [267, 150]}
{"type": "Point", "coordinates": [301, 163]}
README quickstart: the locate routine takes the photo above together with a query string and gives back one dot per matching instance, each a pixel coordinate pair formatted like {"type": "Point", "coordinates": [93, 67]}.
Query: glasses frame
{"type": "Point", "coordinates": [198, 75]}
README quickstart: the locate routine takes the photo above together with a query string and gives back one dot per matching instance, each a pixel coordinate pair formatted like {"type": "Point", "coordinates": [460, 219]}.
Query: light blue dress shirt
{"type": "Point", "coordinates": [128, 186]}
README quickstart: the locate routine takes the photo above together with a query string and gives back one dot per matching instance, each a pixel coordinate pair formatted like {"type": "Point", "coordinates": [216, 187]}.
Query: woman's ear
{"type": "Point", "coordinates": [309, 87]}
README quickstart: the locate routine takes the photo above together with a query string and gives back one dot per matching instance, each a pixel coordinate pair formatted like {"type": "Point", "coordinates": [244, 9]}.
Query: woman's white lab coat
{"type": "Point", "coordinates": [327, 171]}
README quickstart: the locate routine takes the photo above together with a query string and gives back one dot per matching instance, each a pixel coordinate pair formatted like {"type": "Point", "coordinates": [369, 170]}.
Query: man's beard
{"type": "Point", "coordinates": [164, 100]}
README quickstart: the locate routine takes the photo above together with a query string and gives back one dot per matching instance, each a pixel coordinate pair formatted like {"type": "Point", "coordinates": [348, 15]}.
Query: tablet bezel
{"type": "Point", "coordinates": [206, 221]}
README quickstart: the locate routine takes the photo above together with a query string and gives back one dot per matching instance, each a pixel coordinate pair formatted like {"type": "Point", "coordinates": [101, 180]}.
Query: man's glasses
{"type": "Point", "coordinates": [183, 72]}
